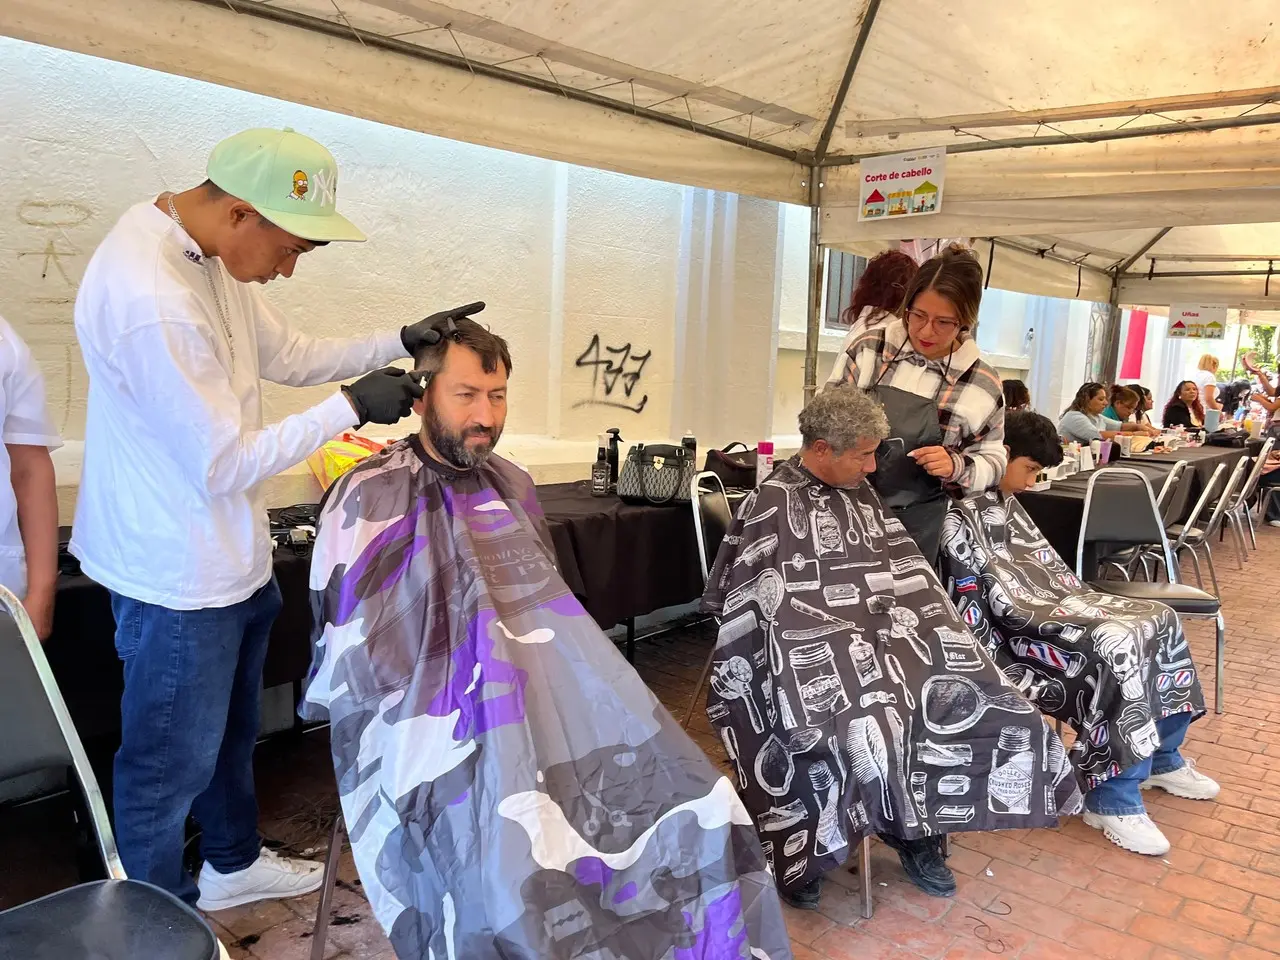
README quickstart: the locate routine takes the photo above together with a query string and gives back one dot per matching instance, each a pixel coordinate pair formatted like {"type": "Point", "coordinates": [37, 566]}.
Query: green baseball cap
{"type": "Point", "coordinates": [288, 178]}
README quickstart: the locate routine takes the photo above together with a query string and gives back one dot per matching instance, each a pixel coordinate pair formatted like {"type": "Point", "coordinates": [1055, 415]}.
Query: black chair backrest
{"type": "Point", "coordinates": [36, 732]}
{"type": "Point", "coordinates": [1119, 509]}
{"type": "Point", "coordinates": [30, 738]}
{"type": "Point", "coordinates": [1178, 504]}
{"type": "Point", "coordinates": [713, 517]}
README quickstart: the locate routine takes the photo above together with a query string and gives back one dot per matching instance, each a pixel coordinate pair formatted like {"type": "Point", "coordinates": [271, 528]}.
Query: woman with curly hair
{"type": "Point", "coordinates": [877, 296]}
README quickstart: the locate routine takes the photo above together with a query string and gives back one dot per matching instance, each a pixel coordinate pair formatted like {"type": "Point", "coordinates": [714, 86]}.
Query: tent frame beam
{"type": "Point", "coordinates": [842, 91]}
{"type": "Point", "coordinates": [1045, 254]}
{"type": "Point", "coordinates": [900, 126]}
{"type": "Point", "coordinates": [1160, 235]}
{"type": "Point", "coordinates": [343, 31]}
{"type": "Point", "coordinates": [1098, 136]}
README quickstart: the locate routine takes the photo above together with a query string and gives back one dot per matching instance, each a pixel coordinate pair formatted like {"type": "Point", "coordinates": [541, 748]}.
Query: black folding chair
{"type": "Point", "coordinates": [112, 919]}
{"type": "Point", "coordinates": [711, 520]}
{"type": "Point", "coordinates": [1120, 510]}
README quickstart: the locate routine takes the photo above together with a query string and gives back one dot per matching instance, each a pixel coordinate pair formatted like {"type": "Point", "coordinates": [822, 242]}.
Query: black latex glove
{"type": "Point", "coordinates": [384, 396]}
{"type": "Point", "coordinates": [422, 334]}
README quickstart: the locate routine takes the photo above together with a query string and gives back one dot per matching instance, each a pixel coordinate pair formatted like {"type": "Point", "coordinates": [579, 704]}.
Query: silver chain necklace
{"type": "Point", "coordinates": [213, 290]}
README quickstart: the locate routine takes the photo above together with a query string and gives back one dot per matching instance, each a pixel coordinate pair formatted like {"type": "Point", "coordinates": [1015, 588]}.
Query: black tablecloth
{"type": "Point", "coordinates": [1059, 510]}
{"type": "Point", "coordinates": [621, 561]}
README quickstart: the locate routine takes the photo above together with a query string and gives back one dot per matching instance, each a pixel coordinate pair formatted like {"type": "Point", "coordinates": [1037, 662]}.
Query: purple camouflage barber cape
{"type": "Point", "coordinates": [511, 787]}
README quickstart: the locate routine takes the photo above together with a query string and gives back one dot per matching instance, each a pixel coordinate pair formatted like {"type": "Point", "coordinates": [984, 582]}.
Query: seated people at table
{"type": "Point", "coordinates": [1141, 413]}
{"type": "Point", "coordinates": [28, 495]}
{"type": "Point", "coordinates": [1118, 671]}
{"type": "Point", "coordinates": [1206, 380]}
{"type": "Point", "coordinates": [511, 785]}
{"type": "Point", "coordinates": [1084, 422]}
{"type": "Point", "coordinates": [1124, 402]}
{"type": "Point", "coordinates": [944, 402]}
{"type": "Point", "coordinates": [1184, 408]}
{"type": "Point", "coordinates": [1016, 396]}
{"type": "Point", "coordinates": [850, 696]}
{"type": "Point", "coordinates": [877, 298]}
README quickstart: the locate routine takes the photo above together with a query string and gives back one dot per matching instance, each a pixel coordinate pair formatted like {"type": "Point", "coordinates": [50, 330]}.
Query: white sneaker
{"type": "Point", "coordinates": [1135, 833]}
{"type": "Point", "coordinates": [270, 877]}
{"type": "Point", "coordinates": [1186, 782]}
{"type": "Point", "coordinates": [1273, 523]}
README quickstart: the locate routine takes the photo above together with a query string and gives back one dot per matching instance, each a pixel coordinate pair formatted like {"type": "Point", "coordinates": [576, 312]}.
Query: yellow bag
{"type": "Point", "coordinates": [339, 455]}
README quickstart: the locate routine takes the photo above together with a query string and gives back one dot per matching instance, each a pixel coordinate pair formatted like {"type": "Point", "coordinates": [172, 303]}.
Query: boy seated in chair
{"type": "Point", "coordinates": [1118, 671]}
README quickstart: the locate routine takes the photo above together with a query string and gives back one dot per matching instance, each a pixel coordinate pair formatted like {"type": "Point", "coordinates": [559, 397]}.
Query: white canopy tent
{"type": "Point", "coordinates": [1077, 133]}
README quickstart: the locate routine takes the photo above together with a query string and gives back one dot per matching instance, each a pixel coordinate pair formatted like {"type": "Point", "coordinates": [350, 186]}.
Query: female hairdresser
{"type": "Point", "coordinates": [944, 403]}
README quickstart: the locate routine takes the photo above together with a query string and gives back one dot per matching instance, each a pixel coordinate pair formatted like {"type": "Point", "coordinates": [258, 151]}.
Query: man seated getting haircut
{"type": "Point", "coordinates": [512, 787]}
{"type": "Point", "coordinates": [850, 695]}
{"type": "Point", "coordinates": [1119, 671]}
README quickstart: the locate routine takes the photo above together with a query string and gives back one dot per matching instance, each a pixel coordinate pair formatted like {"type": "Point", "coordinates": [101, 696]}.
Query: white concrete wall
{"type": "Point", "coordinates": [669, 284]}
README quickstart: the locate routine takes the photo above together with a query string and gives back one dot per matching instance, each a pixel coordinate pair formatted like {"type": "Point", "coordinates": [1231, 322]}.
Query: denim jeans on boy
{"type": "Point", "coordinates": [190, 716]}
{"type": "Point", "coordinates": [1120, 796]}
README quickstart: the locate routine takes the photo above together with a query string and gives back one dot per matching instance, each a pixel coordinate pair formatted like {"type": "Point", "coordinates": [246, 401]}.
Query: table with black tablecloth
{"type": "Point", "coordinates": [1059, 510]}
{"type": "Point", "coordinates": [621, 561]}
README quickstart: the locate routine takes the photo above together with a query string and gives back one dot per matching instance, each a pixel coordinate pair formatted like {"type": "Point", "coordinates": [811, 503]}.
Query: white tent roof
{"type": "Point", "coordinates": [745, 95]}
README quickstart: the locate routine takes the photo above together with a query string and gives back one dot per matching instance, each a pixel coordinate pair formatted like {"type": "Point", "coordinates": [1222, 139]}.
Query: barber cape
{"type": "Point", "coordinates": [849, 694]}
{"type": "Point", "coordinates": [511, 787]}
{"type": "Point", "coordinates": [1108, 666]}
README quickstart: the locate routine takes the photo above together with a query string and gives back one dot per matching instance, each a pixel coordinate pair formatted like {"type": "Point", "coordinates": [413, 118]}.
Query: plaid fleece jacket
{"type": "Point", "coordinates": [970, 400]}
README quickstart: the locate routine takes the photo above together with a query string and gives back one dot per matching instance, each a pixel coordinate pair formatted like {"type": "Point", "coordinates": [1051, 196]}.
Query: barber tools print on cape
{"type": "Point", "coordinates": [1108, 666]}
{"type": "Point", "coordinates": [889, 716]}
{"type": "Point", "coordinates": [513, 788]}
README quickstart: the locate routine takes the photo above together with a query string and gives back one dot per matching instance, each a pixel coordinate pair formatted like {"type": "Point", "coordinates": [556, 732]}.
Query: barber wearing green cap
{"type": "Point", "coordinates": [171, 515]}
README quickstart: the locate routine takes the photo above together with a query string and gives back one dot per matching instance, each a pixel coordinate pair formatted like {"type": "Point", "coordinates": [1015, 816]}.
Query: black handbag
{"type": "Point", "coordinates": [735, 468]}
{"type": "Point", "coordinates": [657, 474]}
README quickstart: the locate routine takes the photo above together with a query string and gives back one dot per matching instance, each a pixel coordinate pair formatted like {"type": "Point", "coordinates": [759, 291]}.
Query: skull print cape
{"type": "Point", "coordinates": [1108, 666]}
{"type": "Point", "coordinates": [849, 694]}
{"type": "Point", "coordinates": [511, 787]}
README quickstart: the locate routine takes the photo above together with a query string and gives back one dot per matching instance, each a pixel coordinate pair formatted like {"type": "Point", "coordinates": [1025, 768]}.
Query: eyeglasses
{"type": "Point", "coordinates": [944, 325]}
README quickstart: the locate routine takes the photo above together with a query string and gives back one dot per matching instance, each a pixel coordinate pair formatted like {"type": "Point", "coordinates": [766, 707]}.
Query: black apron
{"type": "Point", "coordinates": [916, 497]}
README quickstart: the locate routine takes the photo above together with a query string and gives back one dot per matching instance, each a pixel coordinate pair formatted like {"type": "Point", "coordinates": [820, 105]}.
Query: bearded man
{"type": "Point", "coordinates": [512, 788]}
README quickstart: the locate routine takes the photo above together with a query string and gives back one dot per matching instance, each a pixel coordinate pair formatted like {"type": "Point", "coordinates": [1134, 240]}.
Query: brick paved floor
{"type": "Point", "coordinates": [1024, 895]}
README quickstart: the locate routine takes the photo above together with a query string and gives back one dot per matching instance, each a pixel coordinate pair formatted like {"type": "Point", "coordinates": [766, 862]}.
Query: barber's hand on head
{"type": "Point", "coordinates": [384, 396]}
{"type": "Point", "coordinates": [418, 335]}
{"type": "Point", "coordinates": [935, 461]}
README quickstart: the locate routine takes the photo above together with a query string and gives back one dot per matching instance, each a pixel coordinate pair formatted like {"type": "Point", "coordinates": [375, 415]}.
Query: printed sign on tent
{"type": "Point", "coordinates": [1198, 321]}
{"type": "Point", "coordinates": [902, 184]}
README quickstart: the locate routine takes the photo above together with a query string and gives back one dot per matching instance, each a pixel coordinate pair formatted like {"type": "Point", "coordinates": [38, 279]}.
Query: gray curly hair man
{"type": "Point", "coordinates": [841, 429]}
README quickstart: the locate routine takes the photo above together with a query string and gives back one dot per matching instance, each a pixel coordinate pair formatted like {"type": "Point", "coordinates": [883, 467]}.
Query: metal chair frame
{"type": "Point", "coordinates": [95, 804]}
{"type": "Point", "coordinates": [1167, 553]}
{"type": "Point", "coordinates": [1238, 513]}
{"type": "Point", "coordinates": [1193, 541]}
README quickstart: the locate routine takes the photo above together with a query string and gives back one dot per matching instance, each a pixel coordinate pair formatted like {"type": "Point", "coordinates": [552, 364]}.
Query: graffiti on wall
{"type": "Point", "coordinates": [615, 375]}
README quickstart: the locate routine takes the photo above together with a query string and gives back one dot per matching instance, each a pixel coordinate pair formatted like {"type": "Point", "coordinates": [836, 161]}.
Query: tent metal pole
{"type": "Point", "coordinates": [813, 328]}
{"type": "Point", "coordinates": [1097, 136]}
{"type": "Point", "coordinates": [1160, 235]}
{"type": "Point", "coordinates": [1111, 334]}
{"type": "Point", "coordinates": [1235, 357]}
{"type": "Point", "coordinates": [842, 91]}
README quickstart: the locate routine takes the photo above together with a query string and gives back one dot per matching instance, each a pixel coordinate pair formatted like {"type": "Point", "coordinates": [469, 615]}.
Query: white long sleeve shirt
{"type": "Point", "coordinates": [171, 509]}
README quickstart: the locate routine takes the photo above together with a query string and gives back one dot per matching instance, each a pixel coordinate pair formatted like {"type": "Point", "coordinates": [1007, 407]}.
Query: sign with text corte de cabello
{"type": "Point", "coordinates": [901, 184]}
{"type": "Point", "coordinates": [1198, 321]}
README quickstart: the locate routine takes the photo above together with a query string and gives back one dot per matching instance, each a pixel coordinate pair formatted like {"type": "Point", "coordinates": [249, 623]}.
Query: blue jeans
{"type": "Point", "coordinates": [1121, 795]}
{"type": "Point", "coordinates": [189, 717]}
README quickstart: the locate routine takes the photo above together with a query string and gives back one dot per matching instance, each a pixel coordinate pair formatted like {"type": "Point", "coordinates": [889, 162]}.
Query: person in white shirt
{"type": "Point", "coordinates": [1206, 378]}
{"type": "Point", "coordinates": [28, 496]}
{"type": "Point", "coordinates": [171, 515]}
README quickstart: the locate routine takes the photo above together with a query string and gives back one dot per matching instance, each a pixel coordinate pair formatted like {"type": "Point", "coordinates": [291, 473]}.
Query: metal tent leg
{"type": "Point", "coordinates": [864, 869]}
